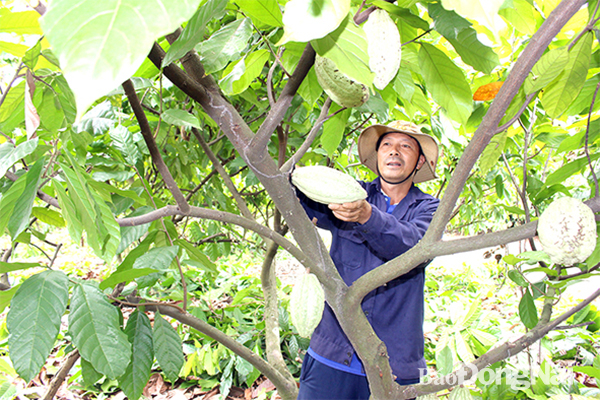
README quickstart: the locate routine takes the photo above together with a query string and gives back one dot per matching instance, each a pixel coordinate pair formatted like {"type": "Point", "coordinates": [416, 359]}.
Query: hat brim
{"type": "Point", "coordinates": [368, 155]}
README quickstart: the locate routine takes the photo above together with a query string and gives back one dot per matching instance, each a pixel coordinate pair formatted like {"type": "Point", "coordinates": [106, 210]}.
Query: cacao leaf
{"type": "Point", "coordinates": [446, 83]}
{"type": "Point", "coordinates": [492, 152]}
{"type": "Point", "coordinates": [139, 333]}
{"type": "Point", "coordinates": [95, 327]}
{"type": "Point", "coordinates": [263, 12]}
{"type": "Point", "coordinates": [564, 89]}
{"type": "Point", "coordinates": [20, 22]}
{"type": "Point", "coordinates": [520, 14]}
{"type": "Point", "coordinates": [33, 320]}
{"type": "Point", "coordinates": [548, 67]}
{"type": "Point", "coordinates": [527, 310]}
{"type": "Point", "coordinates": [193, 33]}
{"type": "Point", "coordinates": [167, 348]}
{"type": "Point", "coordinates": [237, 77]}
{"type": "Point", "coordinates": [105, 61]}
{"type": "Point", "coordinates": [225, 45]}
{"type": "Point", "coordinates": [444, 361]}
{"type": "Point", "coordinates": [9, 154]}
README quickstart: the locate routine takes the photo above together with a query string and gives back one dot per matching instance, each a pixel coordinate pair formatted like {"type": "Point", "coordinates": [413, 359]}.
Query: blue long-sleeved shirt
{"type": "Point", "coordinates": [396, 309]}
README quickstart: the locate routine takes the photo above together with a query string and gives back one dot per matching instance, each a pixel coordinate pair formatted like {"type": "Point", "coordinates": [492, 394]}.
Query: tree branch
{"type": "Point", "coordinates": [152, 147]}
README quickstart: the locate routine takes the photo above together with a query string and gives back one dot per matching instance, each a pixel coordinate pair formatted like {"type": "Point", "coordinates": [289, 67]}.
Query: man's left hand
{"type": "Point", "coordinates": [357, 211]}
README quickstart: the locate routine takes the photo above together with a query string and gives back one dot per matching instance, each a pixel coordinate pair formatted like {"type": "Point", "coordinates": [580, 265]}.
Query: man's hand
{"type": "Point", "coordinates": [357, 211]}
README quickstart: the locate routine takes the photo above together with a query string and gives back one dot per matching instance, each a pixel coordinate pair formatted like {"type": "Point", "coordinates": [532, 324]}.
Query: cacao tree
{"type": "Point", "coordinates": [162, 134]}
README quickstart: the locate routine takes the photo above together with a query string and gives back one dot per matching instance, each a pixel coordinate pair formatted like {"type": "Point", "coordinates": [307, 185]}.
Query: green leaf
{"type": "Point", "coordinates": [333, 131]}
{"type": "Point", "coordinates": [463, 38]}
{"type": "Point", "coordinates": [517, 277]}
{"type": "Point", "coordinates": [527, 310]}
{"type": "Point", "coordinates": [304, 20]}
{"type": "Point", "coordinates": [492, 152]}
{"type": "Point", "coordinates": [238, 77]}
{"type": "Point", "coordinates": [569, 169]}
{"type": "Point", "coordinates": [521, 15]}
{"type": "Point", "coordinates": [193, 33]}
{"type": "Point", "coordinates": [69, 211]}
{"type": "Point", "coordinates": [404, 13]}
{"type": "Point", "coordinates": [534, 257]}
{"type": "Point", "coordinates": [9, 154]}
{"type": "Point", "coordinates": [564, 89]}
{"type": "Point", "coordinates": [446, 83]}
{"type": "Point", "coordinates": [347, 48]}
{"type": "Point", "coordinates": [34, 320]}
{"type": "Point", "coordinates": [16, 266]}
{"type": "Point", "coordinates": [139, 333]}
{"type": "Point", "coordinates": [225, 45]}
{"type": "Point", "coordinates": [594, 258]}
{"type": "Point", "coordinates": [198, 257]}
{"type": "Point", "coordinates": [182, 118]}
{"type": "Point", "coordinates": [48, 216]}
{"type": "Point", "coordinates": [263, 12]}
{"type": "Point", "coordinates": [6, 296]}
{"type": "Point", "coordinates": [158, 258]}
{"type": "Point", "coordinates": [462, 348]}
{"type": "Point", "coordinates": [125, 276]}
{"type": "Point", "coordinates": [167, 348]}
{"type": "Point", "coordinates": [89, 374]}
{"type": "Point", "coordinates": [17, 202]}
{"type": "Point", "coordinates": [96, 332]}
{"type": "Point", "coordinates": [444, 361]}
{"type": "Point", "coordinates": [548, 67]}
{"type": "Point", "coordinates": [101, 44]}
{"type": "Point", "coordinates": [122, 139]}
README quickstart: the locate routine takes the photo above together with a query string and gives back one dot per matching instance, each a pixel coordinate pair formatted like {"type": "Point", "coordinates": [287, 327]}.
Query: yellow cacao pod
{"type": "Point", "coordinates": [344, 91]}
{"type": "Point", "coordinates": [385, 54]}
{"type": "Point", "coordinates": [567, 231]}
{"type": "Point", "coordinates": [307, 302]}
{"type": "Point", "coordinates": [327, 185]}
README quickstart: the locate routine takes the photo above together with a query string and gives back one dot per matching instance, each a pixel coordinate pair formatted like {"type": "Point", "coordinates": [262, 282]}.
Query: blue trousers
{"type": "Point", "coordinates": [321, 382]}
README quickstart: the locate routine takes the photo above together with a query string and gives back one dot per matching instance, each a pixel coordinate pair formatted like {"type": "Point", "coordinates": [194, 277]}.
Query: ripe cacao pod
{"type": "Point", "coordinates": [307, 302]}
{"type": "Point", "coordinates": [344, 91]}
{"type": "Point", "coordinates": [385, 54]}
{"type": "Point", "coordinates": [327, 185]}
{"type": "Point", "coordinates": [567, 231]}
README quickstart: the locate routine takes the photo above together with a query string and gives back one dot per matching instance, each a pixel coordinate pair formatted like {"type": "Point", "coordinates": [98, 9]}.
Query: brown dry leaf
{"type": "Point", "coordinates": [155, 386]}
{"type": "Point", "coordinates": [265, 385]}
{"type": "Point", "coordinates": [487, 92]}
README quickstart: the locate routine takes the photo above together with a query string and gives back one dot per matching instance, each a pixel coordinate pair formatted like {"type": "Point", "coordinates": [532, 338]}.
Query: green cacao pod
{"type": "Point", "coordinates": [567, 231]}
{"type": "Point", "coordinates": [306, 304]}
{"type": "Point", "coordinates": [344, 91]}
{"type": "Point", "coordinates": [383, 38]}
{"type": "Point", "coordinates": [460, 393]}
{"type": "Point", "coordinates": [327, 185]}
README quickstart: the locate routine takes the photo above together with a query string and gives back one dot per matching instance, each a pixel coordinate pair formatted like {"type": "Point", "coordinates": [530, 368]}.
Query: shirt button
{"type": "Point", "coordinates": [346, 362]}
{"type": "Point", "coordinates": [349, 354]}
{"type": "Point", "coordinates": [366, 313]}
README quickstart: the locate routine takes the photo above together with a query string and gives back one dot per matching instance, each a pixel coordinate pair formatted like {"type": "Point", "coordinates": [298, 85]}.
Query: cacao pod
{"type": "Point", "coordinates": [307, 302]}
{"type": "Point", "coordinates": [567, 231]}
{"type": "Point", "coordinates": [385, 54]}
{"type": "Point", "coordinates": [460, 393]}
{"type": "Point", "coordinates": [327, 185]}
{"type": "Point", "coordinates": [344, 91]}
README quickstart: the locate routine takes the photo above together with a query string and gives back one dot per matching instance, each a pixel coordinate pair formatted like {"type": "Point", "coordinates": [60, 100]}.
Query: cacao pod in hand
{"type": "Point", "coordinates": [327, 185]}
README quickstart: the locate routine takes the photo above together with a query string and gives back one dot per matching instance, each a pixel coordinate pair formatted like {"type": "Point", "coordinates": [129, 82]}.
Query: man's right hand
{"type": "Point", "coordinates": [357, 211]}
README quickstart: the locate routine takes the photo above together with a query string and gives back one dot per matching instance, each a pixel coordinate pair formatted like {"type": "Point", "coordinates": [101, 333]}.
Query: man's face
{"type": "Point", "coordinates": [397, 155]}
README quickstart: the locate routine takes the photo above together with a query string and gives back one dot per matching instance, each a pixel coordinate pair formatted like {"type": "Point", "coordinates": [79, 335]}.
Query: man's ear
{"type": "Point", "coordinates": [421, 161]}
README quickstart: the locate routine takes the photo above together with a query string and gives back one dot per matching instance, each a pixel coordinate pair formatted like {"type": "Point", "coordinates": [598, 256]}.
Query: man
{"type": "Point", "coordinates": [366, 234]}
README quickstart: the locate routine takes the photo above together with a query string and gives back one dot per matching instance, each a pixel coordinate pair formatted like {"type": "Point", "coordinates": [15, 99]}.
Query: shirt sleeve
{"type": "Point", "coordinates": [321, 212]}
{"type": "Point", "coordinates": [389, 237]}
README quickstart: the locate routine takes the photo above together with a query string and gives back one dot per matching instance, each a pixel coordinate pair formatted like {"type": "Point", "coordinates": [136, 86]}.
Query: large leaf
{"type": "Point", "coordinates": [446, 83]}
{"type": "Point", "coordinates": [262, 12]}
{"type": "Point", "coordinates": [33, 320]}
{"type": "Point", "coordinates": [520, 14]}
{"type": "Point", "coordinates": [347, 48]}
{"type": "Point", "coordinates": [158, 258]}
{"type": "Point", "coordinates": [69, 212]}
{"type": "Point", "coordinates": [123, 140]}
{"type": "Point", "coordinates": [178, 117]}
{"type": "Point", "coordinates": [562, 91]}
{"type": "Point", "coordinates": [200, 259]}
{"type": "Point", "coordinates": [491, 153]}
{"type": "Point", "coordinates": [95, 329]}
{"type": "Point", "coordinates": [225, 45]}
{"type": "Point", "coordinates": [305, 20]}
{"type": "Point", "coordinates": [193, 33]}
{"type": "Point", "coordinates": [17, 202]}
{"type": "Point", "coordinates": [139, 333]}
{"type": "Point", "coordinates": [100, 44]}
{"type": "Point", "coordinates": [333, 131]}
{"type": "Point", "coordinates": [16, 266]}
{"type": "Point", "coordinates": [485, 12]}
{"type": "Point", "coordinates": [167, 348]}
{"type": "Point", "coordinates": [48, 216]}
{"type": "Point", "coordinates": [9, 154]}
{"type": "Point", "coordinates": [548, 67]}
{"type": "Point", "coordinates": [463, 38]}
{"type": "Point", "coordinates": [569, 169]}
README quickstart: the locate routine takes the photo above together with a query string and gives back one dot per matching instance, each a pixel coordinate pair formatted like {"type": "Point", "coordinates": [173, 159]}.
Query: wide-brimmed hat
{"type": "Point", "coordinates": [429, 146]}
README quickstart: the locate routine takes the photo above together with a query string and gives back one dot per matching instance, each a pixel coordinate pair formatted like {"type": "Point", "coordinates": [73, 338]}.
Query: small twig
{"type": "Point", "coordinates": [60, 377]}
{"type": "Point", "coordinates": [147, 304]}
{"type": "Point", "coordinates": [518, 114]}
{"type": "Point", "coordinates": [565, 277]}
{"type": "Point", "coordinates": [55, 255]}
{"type": "Point", "coordinates": [565, 327]}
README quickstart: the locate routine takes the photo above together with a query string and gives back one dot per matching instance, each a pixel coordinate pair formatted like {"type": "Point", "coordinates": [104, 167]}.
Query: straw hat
{"type": "Point", "coordinates": [368, 139]}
